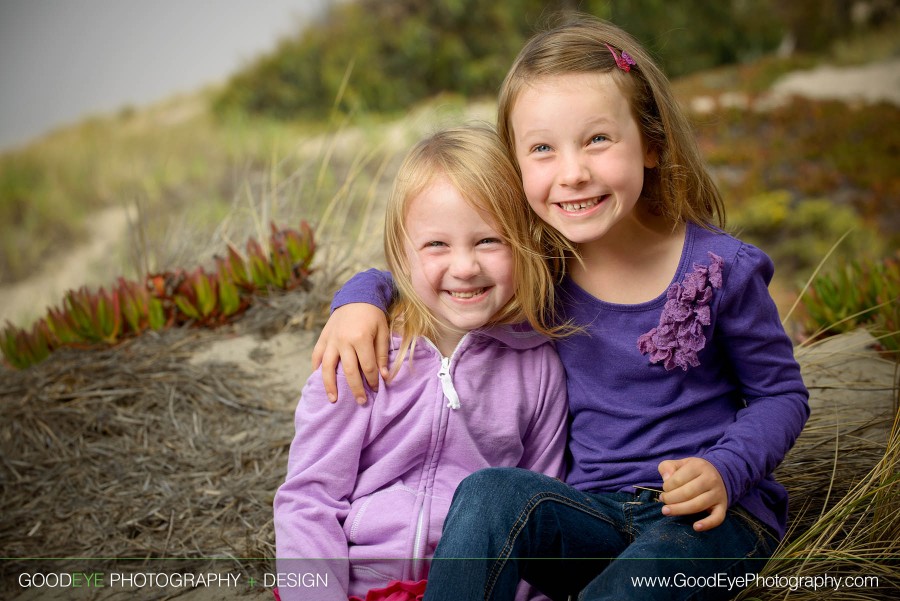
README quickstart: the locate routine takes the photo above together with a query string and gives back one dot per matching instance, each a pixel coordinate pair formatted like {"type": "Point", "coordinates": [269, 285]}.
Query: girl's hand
{"type": "Point", "coordinates": [357, 336]}
{"type": "Point", "coordinates": [693, 485]}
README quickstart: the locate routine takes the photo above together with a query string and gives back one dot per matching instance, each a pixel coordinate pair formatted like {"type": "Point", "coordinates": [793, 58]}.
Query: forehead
{"type": "Point", "coordinates": [608, 85]}
{"type": "Point", "coordinates": [440, 206]}
{"type": "Point", "coordinates": [552, 99]}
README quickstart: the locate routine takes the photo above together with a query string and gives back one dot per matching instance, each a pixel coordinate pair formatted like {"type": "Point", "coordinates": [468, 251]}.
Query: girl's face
{"type": "Point", "coordinates": [581, 153]}
{"type": "Point", "coordinates": [460, 267]}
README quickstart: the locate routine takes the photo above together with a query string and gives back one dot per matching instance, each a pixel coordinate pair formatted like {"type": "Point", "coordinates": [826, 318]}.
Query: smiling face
{"type": "Point", "coordinates": [581, 153]}
{"type": "Point", "coordinates": [460, 267]}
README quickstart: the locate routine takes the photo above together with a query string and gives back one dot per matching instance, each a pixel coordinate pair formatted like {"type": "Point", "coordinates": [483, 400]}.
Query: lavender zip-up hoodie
{"type": "Point", "coordinates": [368, 488]}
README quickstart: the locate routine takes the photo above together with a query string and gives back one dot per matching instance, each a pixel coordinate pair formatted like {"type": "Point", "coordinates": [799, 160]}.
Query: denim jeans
{"type": "Point", "coordinates": [507, 524]}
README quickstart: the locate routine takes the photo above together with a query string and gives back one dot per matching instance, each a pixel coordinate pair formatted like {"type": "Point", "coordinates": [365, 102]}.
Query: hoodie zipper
{"type": "Point", "coordinates": [447, 384]}
{"type": "Point", "coordinates": [444, 373]}
{"type": "Point", "coordinates": [452, 397]}
{"type": "Point", "coordinates": [417, 556]}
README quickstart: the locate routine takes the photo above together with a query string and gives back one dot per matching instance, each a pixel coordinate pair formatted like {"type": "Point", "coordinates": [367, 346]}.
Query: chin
{"type": "Point", "coordinates": [580, 237]}
{"type": "Point", "coordinates": [470, 324]}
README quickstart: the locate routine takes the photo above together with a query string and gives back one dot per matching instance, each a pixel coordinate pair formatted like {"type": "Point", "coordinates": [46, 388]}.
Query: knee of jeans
{"type": "Point", "coordinates": [478, 483]}
{"type": "Point", "coordinates": [491, 486]}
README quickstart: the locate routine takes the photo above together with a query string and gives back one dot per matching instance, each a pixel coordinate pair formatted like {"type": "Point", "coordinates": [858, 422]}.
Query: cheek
{"type": "Point", "coordinates": [502, 268]}
{"type": "Point", "coordinates": [534, 182]}
{"type": "Point", "coordinates": [424, 274]}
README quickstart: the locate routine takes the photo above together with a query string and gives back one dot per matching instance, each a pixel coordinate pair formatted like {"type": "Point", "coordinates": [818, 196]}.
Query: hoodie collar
{"type": "Point", "coordinates": [519, 336]}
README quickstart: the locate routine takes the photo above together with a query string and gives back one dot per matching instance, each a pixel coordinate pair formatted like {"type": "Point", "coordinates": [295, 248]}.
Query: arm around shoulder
{"type": "Point", "coordinates": [371, 286]}
{"type": "Point", "coordinates": [357, 334]}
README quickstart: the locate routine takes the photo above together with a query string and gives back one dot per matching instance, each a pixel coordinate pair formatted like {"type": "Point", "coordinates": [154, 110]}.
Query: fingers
{"type": "Point", "coordinates": [694, 473]}
{"type": "Point", "coordinates": [320, 348]}
{"type": "Point", "coordinates": [329, 361]}
{"type": "Point", "coordinates": [373, 358]}
{"type": "Point", "coordinates": [368, 364]}
{"type": "Point", "coordinates": [667, 468]}
{"type": "Point", "coordinates": [691, 486]}
{"type": "Point", "coordinates": [326, 355]}
{"type": "Point", "coordinates": [716, 517]}
{"type": "Point", "coordinates": [701, 502]}
{"type": "Point", "coordinates": [382, 347]}
{"type": "Point", "coordinates": [357, 337]}
{"type": "Point", "coordinates": [348, 359]}
{"type": "Point", "coordinates": [353, 375]}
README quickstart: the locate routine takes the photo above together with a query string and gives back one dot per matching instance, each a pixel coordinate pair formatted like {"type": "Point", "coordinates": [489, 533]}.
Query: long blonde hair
{"type": "Point", "coordinates": [679, 187]}
{"type": "Point", "coordinates": [474, 161]}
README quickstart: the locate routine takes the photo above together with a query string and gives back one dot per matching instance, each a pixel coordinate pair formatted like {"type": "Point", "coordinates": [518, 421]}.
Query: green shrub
{"type": "Point", "coordinates": [856, 294]}
{"type": "Point", "coordinates": [798, 232]}
{"type": "Point", "coordinates": [385, 55]}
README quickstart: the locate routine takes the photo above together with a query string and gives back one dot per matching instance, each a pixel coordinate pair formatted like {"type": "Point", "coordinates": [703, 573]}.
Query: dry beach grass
{"type": "Point", "coordinates": [142, 454]}
{"type": "Point", "coordinates": [844, 475]}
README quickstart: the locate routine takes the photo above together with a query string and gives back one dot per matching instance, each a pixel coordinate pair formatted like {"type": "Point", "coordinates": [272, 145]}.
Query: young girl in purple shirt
{"type": "Point", "coordinates": [684, 395]}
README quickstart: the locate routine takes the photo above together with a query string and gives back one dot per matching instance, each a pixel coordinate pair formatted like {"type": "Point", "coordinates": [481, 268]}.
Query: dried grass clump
{"type": "Point", "coordinates": [843, 476]}
{"type": "Point", "coordinates": [132, 452]}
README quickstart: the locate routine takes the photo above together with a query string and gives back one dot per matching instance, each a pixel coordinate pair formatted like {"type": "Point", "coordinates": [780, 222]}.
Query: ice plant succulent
{"type": "Point", "coordinates": [196, 296]}
{"type": "Point", "coordinates": [140, 309]}
{"type": "Point", "coordinates": [22, 348]}
{"type": "Point", "coordinates": [87, 317]}
{"type": "Point", "coordinates": [261, 271]}
{"type": "Point", "coordinates": [95, 317]}
{"type": "Point", "coordinates": [61, 329]}
{"type": "Point", "coordinates": [233, 267]}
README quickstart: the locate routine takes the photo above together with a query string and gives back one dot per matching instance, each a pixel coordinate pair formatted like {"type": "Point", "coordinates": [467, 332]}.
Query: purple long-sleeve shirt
{"type": "Point", "coordinates": [707, 373]}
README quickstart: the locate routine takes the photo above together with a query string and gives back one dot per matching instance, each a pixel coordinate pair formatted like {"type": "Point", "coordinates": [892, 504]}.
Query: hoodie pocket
{"type": "Point", "coordinates": [382, 519]}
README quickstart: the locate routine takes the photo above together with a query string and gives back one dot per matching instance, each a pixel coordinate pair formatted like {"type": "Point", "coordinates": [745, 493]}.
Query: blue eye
{"type": "Point", "coordinates": [599, 138]}
{"type": "Point", "coordinates": [540, 148]}
{"type": "Point", "coordinates": [434, 244]}
{"type": "Point", "coordinates": [490, 241]}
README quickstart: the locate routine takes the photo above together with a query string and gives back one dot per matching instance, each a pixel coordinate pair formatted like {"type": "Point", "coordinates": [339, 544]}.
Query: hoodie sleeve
{"type": "Point", "coordinates": [545, 441]}
{"type": "Point", "coordinates": [761, 357]}
{"type": "Point", "coordinates": [314, 500]}
{"type": "Point", "coordinates": [371, 286]}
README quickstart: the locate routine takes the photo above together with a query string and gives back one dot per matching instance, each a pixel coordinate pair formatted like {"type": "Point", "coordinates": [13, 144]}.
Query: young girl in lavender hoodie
{"type": "Point", "coordinates": [368, 487]}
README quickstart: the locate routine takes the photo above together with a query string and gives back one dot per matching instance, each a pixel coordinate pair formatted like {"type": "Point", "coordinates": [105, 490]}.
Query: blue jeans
{"type": "Point", "coordinates": [509, 524]}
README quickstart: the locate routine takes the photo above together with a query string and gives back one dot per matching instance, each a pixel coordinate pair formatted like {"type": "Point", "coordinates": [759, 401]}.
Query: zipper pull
{"type": "Point", "coordinates": [447, 384]}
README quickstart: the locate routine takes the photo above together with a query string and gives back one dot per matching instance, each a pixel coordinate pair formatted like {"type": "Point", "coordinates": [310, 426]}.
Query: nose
{"type": "Point", "coordinates": [464, 264]}
{"type": "Point", "coordinates": [573, 170]}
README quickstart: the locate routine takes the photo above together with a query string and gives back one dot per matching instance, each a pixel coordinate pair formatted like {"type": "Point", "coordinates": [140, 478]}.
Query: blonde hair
{"type": "Point", "coordinates": [679, 187]}
{"type": "Point", "coordinates": [474, 161]}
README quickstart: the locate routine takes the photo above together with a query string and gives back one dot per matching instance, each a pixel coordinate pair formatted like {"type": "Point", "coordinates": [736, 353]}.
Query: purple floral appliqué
{"type": "Point", "coordinates": [679, 336]}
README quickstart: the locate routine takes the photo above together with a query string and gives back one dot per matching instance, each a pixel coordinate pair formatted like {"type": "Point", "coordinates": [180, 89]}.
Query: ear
{"type": "Point", "coordinates": [651, 158]}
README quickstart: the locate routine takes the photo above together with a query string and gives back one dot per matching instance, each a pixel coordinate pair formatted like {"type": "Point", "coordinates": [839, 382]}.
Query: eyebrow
{"type": "Point", "coordinates": [591, 123]}
{"type": "Point", "coordinates": [534, 132]}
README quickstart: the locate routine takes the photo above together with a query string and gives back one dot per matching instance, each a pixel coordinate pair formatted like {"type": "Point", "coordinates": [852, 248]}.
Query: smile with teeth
{"type": "Point", "coordinates": [579, 205]}
{"type": "Point", "coordinates": [465, 294]}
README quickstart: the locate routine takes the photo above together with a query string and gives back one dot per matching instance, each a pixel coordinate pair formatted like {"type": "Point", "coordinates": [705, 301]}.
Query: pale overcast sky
{"type": "Point", "coordinates": [63, 59]}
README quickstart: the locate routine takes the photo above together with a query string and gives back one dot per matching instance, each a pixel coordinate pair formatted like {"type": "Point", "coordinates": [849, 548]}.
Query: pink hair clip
{"type": "Point", "coordinates": [624, 62]}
